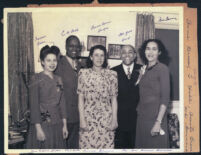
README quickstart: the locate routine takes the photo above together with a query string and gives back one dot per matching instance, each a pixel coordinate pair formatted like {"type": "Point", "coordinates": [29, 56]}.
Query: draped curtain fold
{"type": "Point", "coordinates": [20, 62]}
{"type": "Point", "coordinates": [145, 29]}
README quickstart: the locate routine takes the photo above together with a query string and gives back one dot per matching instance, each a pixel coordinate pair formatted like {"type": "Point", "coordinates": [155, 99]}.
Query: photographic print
{"type": "Point", "coordinates": [114, 51]}
{"type": "Point", "coordinates": [95, 40]}
{"type": "Point", "coordinates": [42, 111]}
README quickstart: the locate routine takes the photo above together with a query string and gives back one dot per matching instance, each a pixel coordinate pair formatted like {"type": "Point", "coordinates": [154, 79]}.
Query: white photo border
{"type": "Point", "coordinates": [178, 9]}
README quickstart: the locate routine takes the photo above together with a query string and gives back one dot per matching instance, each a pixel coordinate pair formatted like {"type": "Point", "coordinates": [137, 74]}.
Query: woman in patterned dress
{"type": "Point", "coordinates": [48, 129]}
{"type": "Point", "coordinates": [97, 89]}
{"type": "Point", "coordinates": [151, 131]}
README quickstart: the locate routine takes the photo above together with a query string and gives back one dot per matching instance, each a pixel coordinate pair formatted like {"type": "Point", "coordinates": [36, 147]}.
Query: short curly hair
{"type": "Point", "coordinates": [101, 47]}
{"type": "Point", "coordinates": [48, 50]}
{"type": "Point", "coordinates": [163, 57]}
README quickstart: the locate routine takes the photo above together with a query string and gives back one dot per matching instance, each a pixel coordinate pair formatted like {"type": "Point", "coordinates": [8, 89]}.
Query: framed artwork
{"type": "Point", "coordinates": [95, 40]}
{"type": "Point", "coordinates": [114, 51]}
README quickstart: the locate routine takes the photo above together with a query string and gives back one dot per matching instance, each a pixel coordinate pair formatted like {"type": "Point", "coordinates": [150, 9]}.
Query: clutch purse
{"type": "Point", "coordinates": [162, 132]}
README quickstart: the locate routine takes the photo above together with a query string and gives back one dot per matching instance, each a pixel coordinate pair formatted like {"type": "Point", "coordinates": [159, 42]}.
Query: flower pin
{"type": "Point", "coordinates": [59, 87]}
{"type": "Point", "coordinates": [142, 72]}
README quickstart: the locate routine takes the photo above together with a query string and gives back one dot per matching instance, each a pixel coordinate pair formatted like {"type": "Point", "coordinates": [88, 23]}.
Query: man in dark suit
{"type": "Point", "coordinates": [68, 67]}
{"type": "Point", "coordinates": [128, 97]}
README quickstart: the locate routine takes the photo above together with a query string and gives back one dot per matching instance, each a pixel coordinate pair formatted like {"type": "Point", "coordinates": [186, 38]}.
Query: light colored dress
{"type": "Point", "coordinates": [98, 89]}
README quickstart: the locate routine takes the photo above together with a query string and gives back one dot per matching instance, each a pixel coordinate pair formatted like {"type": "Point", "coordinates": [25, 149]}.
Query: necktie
{"type": "Point", "coordinates": [74, 65]}
{"type": "Point", "coordinates": [129, 73]}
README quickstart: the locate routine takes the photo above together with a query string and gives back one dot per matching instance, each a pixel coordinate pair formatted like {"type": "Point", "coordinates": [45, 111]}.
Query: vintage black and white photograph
{"type": "Point", "coordinates": [104, 79]}
{"type": "Point", "coordinates": [95, 40]}
{"type": "Point", "coordinates": [114, 51]}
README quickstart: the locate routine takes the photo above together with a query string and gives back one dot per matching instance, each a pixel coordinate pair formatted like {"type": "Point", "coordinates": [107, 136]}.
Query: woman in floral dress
{"type": "Point", "coordinates": [97, 89]}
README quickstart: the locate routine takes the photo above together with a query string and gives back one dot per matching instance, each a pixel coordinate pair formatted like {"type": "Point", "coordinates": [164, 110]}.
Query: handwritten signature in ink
{"type": "Point", "coordinates": [67, 32]}
{"type": "Point", "coordinates": [40, 40]}
{"type": "Point", "coordinates": [167, 19]}
{"type": "Point", "coordinates": [125, 35]}
{"type": "Point", "coordinates": [100, 27]}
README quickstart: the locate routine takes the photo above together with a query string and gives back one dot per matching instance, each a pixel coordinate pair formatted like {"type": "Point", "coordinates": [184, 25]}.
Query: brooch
{"type": "Point", "coordinates": [141, 73]}
{"type": "Point", "coordinates": [46, 117]}
{"type": "Point", "coordinates": [59, 87]}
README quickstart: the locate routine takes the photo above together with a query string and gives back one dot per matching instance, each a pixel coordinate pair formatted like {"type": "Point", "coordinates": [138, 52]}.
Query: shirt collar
{"type": "Point", "coordinates": [125, 67]}
{"type": "Point", "coordinates": [69, 59]}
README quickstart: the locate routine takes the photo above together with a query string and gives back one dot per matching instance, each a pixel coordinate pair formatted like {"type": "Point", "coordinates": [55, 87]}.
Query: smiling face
{"type": "Point", "coordinates": [98, 57]}
{"type": "Point", "coordinates": [152, 52]}
{"type": "Point", "coordinates": [128, 55]}
{"type": "Point", "coordinates": [73, 48]}
{"type": "Point", "coordinates": [50, 62]}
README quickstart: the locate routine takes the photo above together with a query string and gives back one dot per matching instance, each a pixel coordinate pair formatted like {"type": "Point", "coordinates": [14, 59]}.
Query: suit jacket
{"type": "Point", "coordinates": [69, 77]}
{"type": "Point", "coordinates": [128, 98]}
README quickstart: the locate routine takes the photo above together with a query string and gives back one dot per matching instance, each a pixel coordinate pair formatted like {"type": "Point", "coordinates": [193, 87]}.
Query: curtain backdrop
{"type": "Point", "coordinates": [20, 62]}
{"type": "Point", "coordinates": [145, 29]}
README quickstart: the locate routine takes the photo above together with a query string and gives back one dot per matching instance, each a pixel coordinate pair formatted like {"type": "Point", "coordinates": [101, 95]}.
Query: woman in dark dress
{"type": "Point", "coordinates": [48, 126]}
{"type": "Point", "coordinates": [154, 87]}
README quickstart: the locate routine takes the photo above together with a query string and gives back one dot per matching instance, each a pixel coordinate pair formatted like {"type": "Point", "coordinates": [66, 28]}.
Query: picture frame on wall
{"type": "Point", "coordinates": [114, 51]}
{"type": "Point", "coordinates": [95, 40]}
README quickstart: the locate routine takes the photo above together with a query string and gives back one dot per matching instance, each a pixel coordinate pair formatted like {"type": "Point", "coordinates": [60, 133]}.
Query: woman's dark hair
{"type": "Point", "coordinates": [56, 50]}
{"type": "Point", "coordinates": [89, 61]}
{"type": "Point", "coordinates": [163, 57]}
{"type": "Point", "coordinates": [48, 50]}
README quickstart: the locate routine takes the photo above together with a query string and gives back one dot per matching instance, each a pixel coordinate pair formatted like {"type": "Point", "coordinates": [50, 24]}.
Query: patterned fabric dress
{"type": "Point", "coordinates": [97, 88]}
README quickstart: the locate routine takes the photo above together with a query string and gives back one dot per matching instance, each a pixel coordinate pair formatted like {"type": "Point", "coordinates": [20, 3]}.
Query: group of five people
{"type": "Point", "coordinates": [93, 107]}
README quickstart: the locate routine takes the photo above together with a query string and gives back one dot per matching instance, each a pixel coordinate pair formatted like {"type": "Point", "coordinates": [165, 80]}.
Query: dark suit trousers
{"type": "Point", "coordinates": [124, 139]}
{"type": "Point", "coordinates": [73, 136]}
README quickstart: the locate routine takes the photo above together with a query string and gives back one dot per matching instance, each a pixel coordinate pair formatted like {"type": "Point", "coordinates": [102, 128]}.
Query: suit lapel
{"type": "Point", "coordinates": [69, 68]}
{"type": "Point", "coordinates": [122, 72]}
{"type": "Point", "coordinates": [135, 73]}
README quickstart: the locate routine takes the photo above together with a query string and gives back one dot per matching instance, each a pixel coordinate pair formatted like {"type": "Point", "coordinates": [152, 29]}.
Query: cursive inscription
{"type": "Point", "coordinates": [93, 27]}
{"type": "Point", "coordinates": [103, 26]}
{"type": "Point", "coordinates": [189, 128]}
{"type": "Point", "coordinates": [190, 122]}
{"type": "Point", "coordinates": [191, 143]}
{"type": "Point", "coordinates": [189, 94]}
{"type": "Point", "coordinates": [166, 19]}
{"type": "Point", "coordinates": [188, 22]}
{"type": "Point", "coordinates": [103, 29]}
{"type": "Point", "coordinates": [191, 76]}
{"type": "Point", "coordinates": [126, 35]}
{"type": "Point", "coordinates": [124, 39]}
{"type": "Point", "coordinates": [186, 137]}
{"type": "Point", "coordinates": [188, 56]}
{"type": "Point", "coordinates": [40, 40]}
{"type": "Point", "coordinates": [67, 32]}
